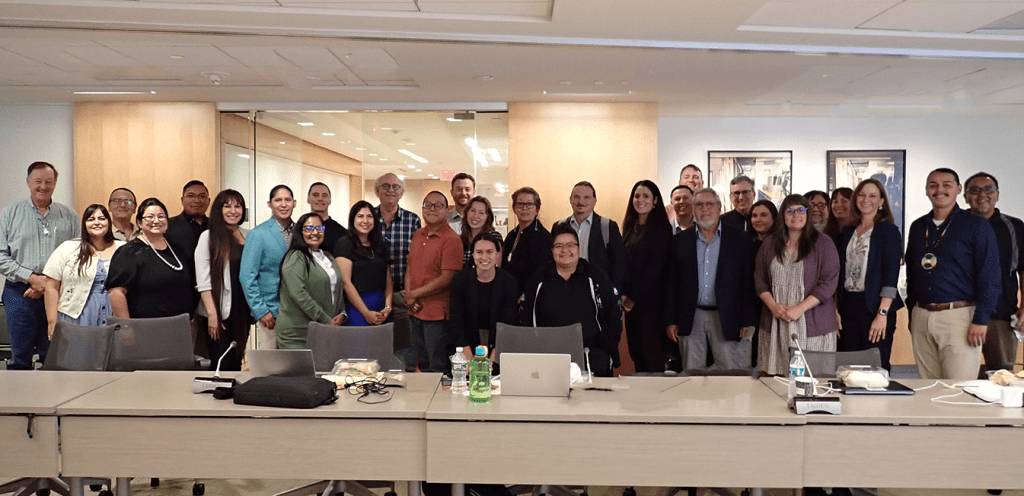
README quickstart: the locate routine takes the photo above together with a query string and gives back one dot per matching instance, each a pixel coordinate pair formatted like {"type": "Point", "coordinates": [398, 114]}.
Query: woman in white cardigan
{"type": "Point", "coordinates": [77, 272]}
{"type": "Point", "coordinates": [219, 251]}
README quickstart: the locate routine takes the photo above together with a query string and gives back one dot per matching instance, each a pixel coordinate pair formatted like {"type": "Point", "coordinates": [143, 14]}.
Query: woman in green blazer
{"type": "Point", "coordinates": [311, 286]}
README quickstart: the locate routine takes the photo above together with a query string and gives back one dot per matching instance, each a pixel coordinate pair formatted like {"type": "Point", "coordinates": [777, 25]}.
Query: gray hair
{"type": "Point", "coordinates": [742, 178]}
{"type": "Point", "coordinates": [710, 191]}
{"type": "Point", "coordinates": [376, 183]}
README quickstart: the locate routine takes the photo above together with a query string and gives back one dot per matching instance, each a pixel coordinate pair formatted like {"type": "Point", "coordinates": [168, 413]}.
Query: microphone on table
{"type": "Point", "coordinates": [803, 405]}
{"type": "Point", "coordinates": [590, 373]}
{"type": "Point", "coordinates": [210, 384]}
{"type": "Point", "coordinates": [807, 366]}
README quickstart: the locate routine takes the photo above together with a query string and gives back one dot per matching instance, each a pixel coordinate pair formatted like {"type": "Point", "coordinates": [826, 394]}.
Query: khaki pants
{"type": "Point", "coordinates": [262, 339]}
{"type": "Point", "coordinates": [940, 344]}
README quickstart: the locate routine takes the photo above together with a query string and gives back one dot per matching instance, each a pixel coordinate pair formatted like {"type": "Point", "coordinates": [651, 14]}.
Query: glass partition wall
{"type": "Point", "coordinates": [349, 150]}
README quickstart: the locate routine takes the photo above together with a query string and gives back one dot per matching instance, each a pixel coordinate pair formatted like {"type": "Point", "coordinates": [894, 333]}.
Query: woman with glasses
{"type": "Point", "coordinates": [819, 210]}
{"type": "Point", "coordinates": [147, 278]}
{"type": "Point", "coordinates": [479, 218]}
{"type": "Point", "coordinates": [527, 247]}
{"type": "Point", "coordinates": [646, 234]}
{"type": "Point", "coordinates": [77, 273]}
{"type": "Point", "coordinates": [365, 268]}
{"type": "Point", "coordinates": [795, 275]}
{"type": "Point", "coordinates": [219, 251]}
{"type": "Point", "coordinates": [311, 285]}
{"type": "Point", "coordinates": [869, 268]}
{"type": "Point", "coordinates": [841, 217]}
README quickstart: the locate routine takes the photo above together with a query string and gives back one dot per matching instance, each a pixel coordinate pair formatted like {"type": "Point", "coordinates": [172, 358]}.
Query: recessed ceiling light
{"type": "Point", "coordinates": [598, 82]}
{"type": "Point", "coordinates": [411, 166]}
{"type": "Point", "coordinates": [419, 170]}
{"type": "Point", "coordinates": [283, 142]}
{"type": "Point", "coordinates": [360, 148]}
{"type": "Point", "coordinates": [484, 78]}
{"type": "Point", "coordinates": [372, 154]}
{"type": "Point", "coordinates": [109, 92]}
{"type": "Point", "coordinates": [383, 159]}
{"type": "Point", "coordinates": [305, 124]}
{"type": "Point", "coordinates": [565, 82]}
{"type": "Point", "coordinates": [327, 134]}
{"type": "Point", "coordinates": [412, 155]}
{"type": "Point", "coordinates": [243, 156]}
{"type": "Point", "coordinates": [588, 93]}
{"type": "Point", "coordinates": [410, 144]}
{"type": "Point", "coordinates": [177, 57]}
{"type": "Point", "coordinates": [452, 119]}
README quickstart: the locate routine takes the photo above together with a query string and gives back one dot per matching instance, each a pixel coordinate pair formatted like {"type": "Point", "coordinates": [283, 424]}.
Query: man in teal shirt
{"type": "Point", "coordinates": [260, 271]}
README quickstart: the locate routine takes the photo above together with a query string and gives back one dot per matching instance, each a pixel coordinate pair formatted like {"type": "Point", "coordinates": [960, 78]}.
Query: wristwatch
{"type": "Point", "coordinates": [883, 312]}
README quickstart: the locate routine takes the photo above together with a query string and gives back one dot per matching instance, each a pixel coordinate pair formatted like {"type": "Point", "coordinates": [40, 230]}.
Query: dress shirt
{"type": "Point", "coordinates": [327, 263]}
{"type": "Point", "coordinates": [676, 228]}
{"type": "Point", "coordinates": [398, 238]}
{"type": "Point", "coordinates": [286, 231]}
{"type": "Point", "coordinates": [1010, 238]}
{"type": "Point", "coordinates": [28, 237]}
{"type": "Point", "coordinates": [122, 235]}
{"type": "Point", "coordinates": [707, 267]}
{"type": "Point", "coordinates": [455, 221]}
{"type": "Point", "coordinates": [583, 231]}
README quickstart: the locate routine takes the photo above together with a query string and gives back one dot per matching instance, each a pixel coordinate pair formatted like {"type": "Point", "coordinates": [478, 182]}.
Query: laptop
{"type": "Point", "coordinates": [534, 374]}
{"type": "Point", "coordinates": [284, 363]}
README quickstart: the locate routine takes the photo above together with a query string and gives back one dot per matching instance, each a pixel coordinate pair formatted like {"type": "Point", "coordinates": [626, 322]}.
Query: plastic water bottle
{"type": "Point", "coordinates": [796, 369]}
{"type": "Point", "coordinates": [480, 377]}
{"type": "Point", "coordinates": [459, 382]}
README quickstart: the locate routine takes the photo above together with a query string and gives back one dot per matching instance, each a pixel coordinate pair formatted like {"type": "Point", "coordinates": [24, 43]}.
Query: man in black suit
{"type": "Point", "coordinates": [711, 289]}
{"type": "Point", "coordinates": [600, 241]}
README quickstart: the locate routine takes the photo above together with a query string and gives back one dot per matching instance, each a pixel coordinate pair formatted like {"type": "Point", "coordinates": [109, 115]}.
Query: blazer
{"type": "Point", "coordinates": [260, 273]}
{"type": "Point", "coordinates": [611, 258]}
{"type": "Point", "coordinates": [62, 266]}
{"type": "Point", "coordinates": [465, 292]}
{"type": "Point", "coordinates": [738, 305]}
{"type": "Point", "coordinates": [306, 297]}
{"type": "Point", "coordinates": [531, 254]}
{"type": "Point", "coordinates": [884, 259]}
{"type": "Point", "coordinates": [647, 269]}
{"type": "Point", "coordinates": [204, 280]}
{"type": "Point", "coordinates": [821, 275]}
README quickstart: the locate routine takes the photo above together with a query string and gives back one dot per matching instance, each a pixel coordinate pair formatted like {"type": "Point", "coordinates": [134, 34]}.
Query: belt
{"type": "Point", "coordinates": [938, 307]}
{"type": "Point", "coordinates": [708, 308]}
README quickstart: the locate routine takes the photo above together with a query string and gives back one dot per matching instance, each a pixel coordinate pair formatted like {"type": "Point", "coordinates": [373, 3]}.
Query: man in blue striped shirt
{"type": "Point", "coordinates": [398, 225]}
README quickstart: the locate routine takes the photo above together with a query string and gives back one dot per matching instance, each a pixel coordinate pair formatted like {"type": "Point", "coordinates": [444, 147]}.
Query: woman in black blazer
{"type": "Point", "coordinates": [482, 296]}
{"type": "Point", "coordinates": [870, 253]}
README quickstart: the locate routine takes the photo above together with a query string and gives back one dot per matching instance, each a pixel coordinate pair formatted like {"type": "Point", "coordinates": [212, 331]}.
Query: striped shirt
{"type": "Point", "coordinates": [28, 237]}
{"type": "Point", "coordinates": [398, 238]}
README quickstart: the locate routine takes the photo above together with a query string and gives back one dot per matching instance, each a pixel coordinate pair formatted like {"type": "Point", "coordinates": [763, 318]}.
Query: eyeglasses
{"type": "Point", "coordinates": [743, 192]}
{"type": "Point", "coordinates": [819, 205]}
{"type": "Point", "coordinates": [155, 218]}
{"type": "Point", "coordinates": [796, 210]}
{"type": "Point", "coordinates": [984, 189]}
{"type": "Point", "coordinates": [388, 187]}
{"type": "Point", "coordinates": [200, 196]}
{"type": "Point", "coordinates": [524, 205]}
{"type": "Point", "coordinates": [119, 201]}
{"type": "Point", "coordinates": [565, 246]}
{"type": "Point", "coordinates": [703, 205]}
{"type": "Point", "coordinates": [310, 229]}
{"type": "Point", "coordinates": [434, 206]}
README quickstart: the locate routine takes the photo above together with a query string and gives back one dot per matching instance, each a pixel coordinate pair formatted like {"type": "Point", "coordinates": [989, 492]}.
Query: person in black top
{"type": "Point", "coordinates": [365, 268]}
{"type": "Point", "coordinates": [742, 195]}
{"type": "Point", "coordinates": [148, 277]}
{"type": "Point", "coordinates": [478, 218]}
{"type": "Point", "coordinates": [571, 290]}
{"type": "Point", "coordinates": [647, 235]}
{"type": "Point", "coordinates": [482, 296]}
{"type": "Point", "coordinates": [319, 200]}
{"type": "Point", "coordinates": [527, 247]}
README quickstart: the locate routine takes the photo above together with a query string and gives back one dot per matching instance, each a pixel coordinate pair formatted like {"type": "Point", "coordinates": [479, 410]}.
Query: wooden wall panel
{"type": "Point", "coordinates": [151, 148]}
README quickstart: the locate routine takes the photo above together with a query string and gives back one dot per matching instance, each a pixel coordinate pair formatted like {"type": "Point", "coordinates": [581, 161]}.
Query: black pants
{"type": "Point", "coordinates": [645, 336]}
{"type": "Point", "coordinates": [232, 331]}
{"type": "Point", "coordinates": [856, 316]}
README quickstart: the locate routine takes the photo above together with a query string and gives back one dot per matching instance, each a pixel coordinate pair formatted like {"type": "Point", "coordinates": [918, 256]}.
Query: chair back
{"type": "Point", "coordinates": [80, 348]}
{"type": "Point", "coordinates": [163, 343]}
{"type": "Point", "coordinates": [825, 363]}
{"type": "Point", "coordinates": [332, 343]}
{"type": "Point", "coordinates": [566, 340]}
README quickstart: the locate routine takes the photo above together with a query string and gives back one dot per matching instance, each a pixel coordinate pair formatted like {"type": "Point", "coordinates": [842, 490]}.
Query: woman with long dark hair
{"type": "Point", "coordinates": [870, 252]}
{"type": "Point", "coordinates": [479, 218]}
{"type": "Point", "coordinates": [219, 251]}
{"type": "Point", "coordinates": [365, 268]}
{"type": "Point", "coordinates": [647, 235]}
{"type": "Point", "coordinates": [482, 295]}
{"type": "Point", "coordinates": [840, 213]}
{"type": "Point", "coordinates": [763, 216]}
{"type": "Point", "coordinates": [311, 287]}
{"type": "Point", "coordinates": [795, 275]}
{"type": "Point", "coordinates": [77, 272]}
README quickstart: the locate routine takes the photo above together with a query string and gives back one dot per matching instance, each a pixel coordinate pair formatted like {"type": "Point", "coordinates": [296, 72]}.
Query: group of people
{"type": "Point", "coordinates": [693, 287]}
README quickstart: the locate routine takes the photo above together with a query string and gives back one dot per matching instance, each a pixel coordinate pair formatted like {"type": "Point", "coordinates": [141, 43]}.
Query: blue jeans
{"type": "Point", "coordinates": [430, 344]}
{"type": "Point", "coordinates": [26, 322]}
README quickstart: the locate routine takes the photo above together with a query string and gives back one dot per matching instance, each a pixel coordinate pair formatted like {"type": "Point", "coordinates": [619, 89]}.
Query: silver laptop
{"type": "Point", "coordinates": [287, 363]}
{"type": "Point", "coordinates": [534, 374]}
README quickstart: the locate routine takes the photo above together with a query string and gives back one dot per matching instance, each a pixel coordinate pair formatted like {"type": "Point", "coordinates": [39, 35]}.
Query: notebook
{"type": "Point", "coordinates": [285, 363]}
{"type": "Point", "coordinates": [534, 374]}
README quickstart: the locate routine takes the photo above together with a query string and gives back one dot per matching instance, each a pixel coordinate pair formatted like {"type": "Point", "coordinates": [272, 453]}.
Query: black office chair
{"type": "Point", "coordinates": [824, 363]}
{"type": "Point", "coordinates": [163, 343]}
{"type": "Point", "coordinates": [5, 336]}
{"type": "Point", "coordinates": [566, 340]}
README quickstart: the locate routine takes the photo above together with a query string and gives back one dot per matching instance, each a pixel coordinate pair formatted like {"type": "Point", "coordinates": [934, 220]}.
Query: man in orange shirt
{"type": "Point", "coordinates": [435, 256]}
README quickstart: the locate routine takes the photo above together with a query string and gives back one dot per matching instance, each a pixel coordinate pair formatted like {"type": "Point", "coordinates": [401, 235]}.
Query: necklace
{"type": "Point", "coordinates": [164, 260]}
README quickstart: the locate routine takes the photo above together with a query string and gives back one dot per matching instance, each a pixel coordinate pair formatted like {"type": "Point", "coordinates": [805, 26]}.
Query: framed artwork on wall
{"type": "Point", "coordinates": [772, 172]}
{"type": "Point", "coordinates": [847, 168]}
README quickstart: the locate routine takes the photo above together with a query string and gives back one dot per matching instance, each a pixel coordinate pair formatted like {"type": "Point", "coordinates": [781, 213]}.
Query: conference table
{"type": "Point", "coordinates": [151, 424]}
{"type": "Point", "coordinates": [912, 441]}
{"type": "Point", "coordinates": [650, 431]}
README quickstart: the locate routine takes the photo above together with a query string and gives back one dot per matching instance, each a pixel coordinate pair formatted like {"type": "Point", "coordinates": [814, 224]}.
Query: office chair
{"type": "Point", "coordinates": [566, 340]}
{"type": "Point", "coordinates": [329, 344]}
{"type": "Point", "coordinates": [163, 343]}
{"type": "Point", "coordinates": [332, 343]}
{"type": "Point", "coordinates": [76, 348]}
{"type": "Point", "coordinates": [5, 337]}
{"type": "Point", "coordinates": [825, 363]}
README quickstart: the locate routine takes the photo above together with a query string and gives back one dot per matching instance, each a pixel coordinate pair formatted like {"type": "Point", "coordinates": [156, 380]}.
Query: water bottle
{"type": "Point", "coordinates": [459, 382]}
{"type": "Point", "coordinates": [480, 377]}
{"type": "Point", "coordinates": [796, 369]}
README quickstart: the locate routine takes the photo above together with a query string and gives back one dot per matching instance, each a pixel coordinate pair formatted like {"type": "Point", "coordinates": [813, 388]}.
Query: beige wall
{"type": "Point", "coordinates": [554, 145]}
{"type": "Point", "coordinates": [151, 148]}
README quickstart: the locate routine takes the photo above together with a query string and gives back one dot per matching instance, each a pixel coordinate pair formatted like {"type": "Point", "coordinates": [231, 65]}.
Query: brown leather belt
{"type": "Point", "coordinates": [938, 307]}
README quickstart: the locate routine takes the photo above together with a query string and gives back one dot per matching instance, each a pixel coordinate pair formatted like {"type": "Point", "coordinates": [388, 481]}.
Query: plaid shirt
{"type": "Point", "coordinates": [398, 238]}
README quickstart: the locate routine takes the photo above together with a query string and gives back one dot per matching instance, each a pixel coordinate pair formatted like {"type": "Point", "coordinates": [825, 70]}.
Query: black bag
{"type": "Point", "coordinates": [287, 392]}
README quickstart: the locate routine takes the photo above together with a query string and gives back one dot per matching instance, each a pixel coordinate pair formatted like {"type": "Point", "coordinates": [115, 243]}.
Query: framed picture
{"type": "Point", "coordinates": [847, 168]}
{"type": "Point", "coordinates": [772, 172]}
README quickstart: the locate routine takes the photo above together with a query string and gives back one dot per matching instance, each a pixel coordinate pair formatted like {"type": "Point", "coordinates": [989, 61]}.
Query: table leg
{"type": "Point", "coordinates": [458, 489]}
{"type": "Point", "coordinates": [77, 486]}
{"type": "Point", "coordinates": [124, 486]}
{"type": "Point", "coordinates": [415, 488]}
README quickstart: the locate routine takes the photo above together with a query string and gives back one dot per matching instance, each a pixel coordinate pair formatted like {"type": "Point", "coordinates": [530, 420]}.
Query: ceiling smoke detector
{"type": "Point", "coordinates": [214, 76]}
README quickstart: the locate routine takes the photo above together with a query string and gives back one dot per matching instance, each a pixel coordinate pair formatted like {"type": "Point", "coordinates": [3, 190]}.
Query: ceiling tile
{"type": "Point", "coordinates": [258, 57]}
{"type": "Point", "coordinates": [368, 63]}
{"type": "Point", "coordinates": [904, 81]}
{"type": "Point", "coordinates": [830, 14]}
{"type": "Point", "coordinates": [12, 59]}
{"type": "Point", "coordinates": [518, 9]}
{"type": "Point", "coordinates": [405, 6]}
{"type": "Point", "coordinates": [102, 56]}
{"type": "Point", "coordinates": [311, 58]}
{"type": "Point", "coordinates": [940, 16]}
{"type": "Point", "coordinates": [191, 56]}
{"type": "Point", "coordinates": [130, 74]}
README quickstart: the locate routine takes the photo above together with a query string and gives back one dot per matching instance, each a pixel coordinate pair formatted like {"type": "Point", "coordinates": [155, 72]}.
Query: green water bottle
{"type": "Point", "coordinates": [480, 376]}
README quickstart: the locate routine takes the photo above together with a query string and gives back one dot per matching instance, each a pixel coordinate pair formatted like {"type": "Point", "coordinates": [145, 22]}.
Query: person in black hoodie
{"type": "Point", "coordinates": [528, 246]}
{"type": "Point", "coordinates": [571, 290]}
{"type": "Point", "coordinates": [482, 296]}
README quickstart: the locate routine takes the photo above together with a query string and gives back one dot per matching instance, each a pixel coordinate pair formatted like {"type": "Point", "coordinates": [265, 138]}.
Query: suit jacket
{"type": "Point", "coordinates": [306, 297]}
{"type": "Point", "coordinates": [465, 292]}
{"type": "Point", "coordinates": [610, 259]}
{"type": "Point", "coordinates": [260, 269]}
{"type": "Point", "coordinates": [738, 306]}
{"type": "Point", "coordinates": [883, 273]}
